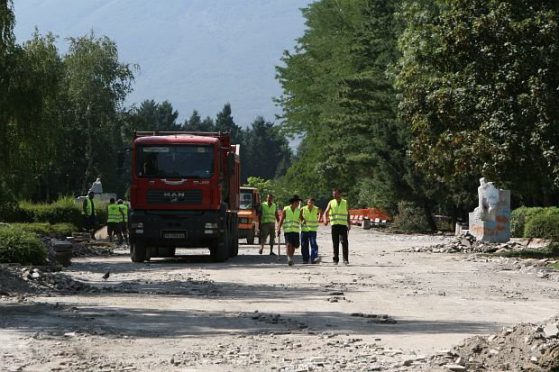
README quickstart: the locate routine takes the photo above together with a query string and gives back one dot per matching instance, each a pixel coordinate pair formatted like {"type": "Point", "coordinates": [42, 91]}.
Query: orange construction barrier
{"type": "Point", "coordinates": [358, 215]}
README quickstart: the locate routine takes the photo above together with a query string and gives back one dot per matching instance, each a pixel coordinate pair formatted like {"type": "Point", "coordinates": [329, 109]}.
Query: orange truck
{"type": "Point", "coordinates": [248, 213]}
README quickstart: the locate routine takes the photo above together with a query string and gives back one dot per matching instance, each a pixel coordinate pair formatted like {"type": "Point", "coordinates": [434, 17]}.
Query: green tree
{"type": "Point", "coordinates": [265, 152]}
{"type": "Point", "coordinates": [479, 90]}
{"type": "Point", "coordinates": [36, 122]}
{"type": "Point", "coordinates": [224, 123]}
{"type": "Point", "coordinates": [7, 44]}
{"type": "Point", "coordinates": [196, 124]}
{"type": "Point", "coordinates": [96, 84]}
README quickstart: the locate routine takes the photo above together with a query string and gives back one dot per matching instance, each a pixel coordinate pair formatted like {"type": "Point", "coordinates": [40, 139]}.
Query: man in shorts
{"type": "Point", "coordinates": [267, 219]}
{"type": "Point", "coordinates": [291, 222]}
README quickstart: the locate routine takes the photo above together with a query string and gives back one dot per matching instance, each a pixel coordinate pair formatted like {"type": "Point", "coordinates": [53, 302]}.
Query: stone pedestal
{"type": "Point", "coordinates": [497, 229]}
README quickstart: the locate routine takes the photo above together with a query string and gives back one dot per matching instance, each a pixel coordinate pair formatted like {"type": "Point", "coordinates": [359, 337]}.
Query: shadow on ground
{"type": "Point", "coordinates": [154, 323]}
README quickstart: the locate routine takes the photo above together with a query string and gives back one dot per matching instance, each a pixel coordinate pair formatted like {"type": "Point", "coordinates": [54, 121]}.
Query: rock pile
{"type": "Point", "coordinates": [18, 280]}
{"type": "Point", "coordinates": [526, 347]}
{"type": "Point", "coordinates": [467, 243]}
{"type": "Point", "coordinates": [92, 249]}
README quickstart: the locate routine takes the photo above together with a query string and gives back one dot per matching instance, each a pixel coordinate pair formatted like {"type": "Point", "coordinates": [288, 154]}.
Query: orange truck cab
{"type": "Point", "coordinates": [248, 213]}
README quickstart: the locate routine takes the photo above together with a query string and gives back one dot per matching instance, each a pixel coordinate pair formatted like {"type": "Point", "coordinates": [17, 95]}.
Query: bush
{"type": "Point", "coordinates": [518, 220]}
{"type": "Point", "coordinates": [521, 217]}
{"type": "Point", "coordinates": [47, 229]}
{"type": "Point", "coordinates": [65, 210]}
{"type": "Point", "coordinates": [411, 219]}
{"type": "Point", "coordinates": [543, 225]}
{"type": "Point", "coordinates": [18, 246]}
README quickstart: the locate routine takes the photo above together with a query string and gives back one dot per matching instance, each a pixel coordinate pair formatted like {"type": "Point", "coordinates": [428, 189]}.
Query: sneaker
{"type": "Point", "coordinates": [289, 261]}
{"type": "Point", "coordinates": [272, 253]}
{"type": "Point", "coordinates": [260, 251]}
{"type": "Point", "coordinates": [316, 260]}
{"type": "Point", "coordinates": [346, 262]}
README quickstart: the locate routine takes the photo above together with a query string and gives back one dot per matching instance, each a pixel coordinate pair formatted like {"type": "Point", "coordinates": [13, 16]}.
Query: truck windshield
{"type": "Point", "coordinates": [246, 200]}
{"type": "Point", "coordinates": [175, 161]}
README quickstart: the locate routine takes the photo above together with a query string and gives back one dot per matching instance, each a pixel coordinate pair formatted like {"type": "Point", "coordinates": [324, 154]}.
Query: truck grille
{"type": "Point", "coordinates": [174, 197]}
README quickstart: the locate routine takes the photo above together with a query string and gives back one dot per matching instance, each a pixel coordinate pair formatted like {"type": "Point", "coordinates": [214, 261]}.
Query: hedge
{"type": "Point", "coordinates": [64, 210]}
{"type": "Point", "coordinates": [18, 246]}
{"type": "Point", "coordinates": [543, 226]}
{"type": "Point", "coordinates": [47, 229]}
{"type": "Point", "coordinates": [535, 222]}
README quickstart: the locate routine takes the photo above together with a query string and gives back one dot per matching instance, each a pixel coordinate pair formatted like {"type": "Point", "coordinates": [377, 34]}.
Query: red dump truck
{"type": "Point", "coordinates": [184, 194]}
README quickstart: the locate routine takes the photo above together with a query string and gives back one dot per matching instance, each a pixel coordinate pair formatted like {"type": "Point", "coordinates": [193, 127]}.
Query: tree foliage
{"type": "Point", "coordinates": [479, 82]}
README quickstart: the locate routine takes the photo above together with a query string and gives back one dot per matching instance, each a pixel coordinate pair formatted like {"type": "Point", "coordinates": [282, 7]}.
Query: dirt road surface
{"type": "Point", "coordinates": [388, 310]}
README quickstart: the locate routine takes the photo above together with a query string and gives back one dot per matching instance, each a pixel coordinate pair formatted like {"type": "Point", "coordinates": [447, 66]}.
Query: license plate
{"type": "Point", "coordinates": [174, 235]}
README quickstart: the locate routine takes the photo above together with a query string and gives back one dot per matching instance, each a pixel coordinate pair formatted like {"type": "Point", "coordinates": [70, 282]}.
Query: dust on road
{"type": "Point", "coordinates": [390, 309]}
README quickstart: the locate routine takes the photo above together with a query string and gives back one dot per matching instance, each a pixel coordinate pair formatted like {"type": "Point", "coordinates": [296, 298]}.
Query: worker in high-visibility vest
{"type": "Point", "coordinates": [88, 211]}
{"type": "Point", "coordinates": [291, 222]}
{"type": "Point", "coordinates": [337, 213]}
{"type": "Point", "coordinates": [123, 219]}
{"type": "Point", "coordinates": [310, 216]}
{"type": "Point", "coordinates": [267, 218]}
{"type": "Point", "coordinates": [114, 216]}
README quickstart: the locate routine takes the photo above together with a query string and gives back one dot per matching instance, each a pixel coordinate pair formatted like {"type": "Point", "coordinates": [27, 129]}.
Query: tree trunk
{"type": "Point", "coordinates": [429, 215]}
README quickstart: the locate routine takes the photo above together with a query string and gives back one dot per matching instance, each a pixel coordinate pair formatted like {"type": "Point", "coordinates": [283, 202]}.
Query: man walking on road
{"type": "Point", "coordinates": [267, 221]}
{"type": "Point", "coordinates": [309, 218]}
{"type": "Point", "coordinates": [338, 214]}
{"type": "Point", "coordinates": [291, 216]}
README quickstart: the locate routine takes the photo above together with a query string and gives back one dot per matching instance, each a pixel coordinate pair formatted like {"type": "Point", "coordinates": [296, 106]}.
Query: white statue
{"type": "Point", "coordinates": [488, 199]}
{"type": "Point", "coordinates": [97, 187]}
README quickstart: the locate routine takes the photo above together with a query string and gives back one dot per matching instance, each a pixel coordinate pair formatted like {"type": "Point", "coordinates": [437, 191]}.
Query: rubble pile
{"type": "Point", "coordinates": [467, 243]}
{"type": "Point", "coordinates": [92, 249]}
{"type": "Point", "coordinates": [18, 280]}
{"type": "Point", "coordinates": [526, 347]}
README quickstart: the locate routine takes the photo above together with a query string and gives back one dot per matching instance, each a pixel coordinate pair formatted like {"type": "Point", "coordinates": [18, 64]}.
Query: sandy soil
{"type": "Point", "coordinates": [388, 310]}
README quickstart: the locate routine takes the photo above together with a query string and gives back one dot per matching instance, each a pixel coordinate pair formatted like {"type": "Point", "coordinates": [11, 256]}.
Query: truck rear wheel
{"type": "Point", "coordinates": [220, 249]}
{"type": "Point", "coordinates": [250, 237]}
{"type": "Point", "coordinates": [138, 252]}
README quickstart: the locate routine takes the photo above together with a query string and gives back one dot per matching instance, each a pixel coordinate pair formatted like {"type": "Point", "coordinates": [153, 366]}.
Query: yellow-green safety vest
{"type": "Point", "coordinates": [124, 209]}
{"type": "Point", "coordinates": [291, 222]}
{"type": "Point", "coordinates": [338, 212]}
{"type": "Point", "coordinates": [269, 213]}
{"type": "Point", "coordinates": [89, 208]}
{"type": "Point", "coordinates": [311, 219]}
{"type": "Point", "coordinates": [113, 213]}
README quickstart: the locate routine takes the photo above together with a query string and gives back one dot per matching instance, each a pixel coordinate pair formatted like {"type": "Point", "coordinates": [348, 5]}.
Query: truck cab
{"type": "Point", "coordinates": [248, 214]}
{"type": "Point", "coordinates": [184, 194]}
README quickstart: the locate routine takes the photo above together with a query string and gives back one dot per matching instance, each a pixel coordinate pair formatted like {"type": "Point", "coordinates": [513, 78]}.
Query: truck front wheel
{"type": "Point", "coordinates": [138, 252]}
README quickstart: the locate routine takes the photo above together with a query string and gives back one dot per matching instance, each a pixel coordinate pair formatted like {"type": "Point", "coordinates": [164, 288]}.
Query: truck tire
{"type": "Point", "coordinates": [220, 249]}
{"type": "Point", "coordinates": [235, 241]}
{"type": "Point", "coordinates": [138, 252]}
{"type": "Point", "coordinates": [250, 237]}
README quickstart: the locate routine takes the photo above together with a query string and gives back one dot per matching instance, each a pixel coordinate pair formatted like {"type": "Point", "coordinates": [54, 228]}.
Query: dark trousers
{"type": "Point", "coordinates": [340, 232]}
{"type": "Point", "coordinates": [113, 228]}
{"type": "Point", "coordinates": [309, 238]}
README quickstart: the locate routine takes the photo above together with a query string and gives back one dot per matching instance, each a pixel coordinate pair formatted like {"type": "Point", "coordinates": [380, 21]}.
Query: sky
{"type": "Point", "coordinates": [197, 54]}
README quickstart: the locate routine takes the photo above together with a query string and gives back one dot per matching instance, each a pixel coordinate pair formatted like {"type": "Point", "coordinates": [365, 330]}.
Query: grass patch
{"type": "Point", "coordinates": [555, 266]}
{"type": "Point", "coordinates": [551, 251]}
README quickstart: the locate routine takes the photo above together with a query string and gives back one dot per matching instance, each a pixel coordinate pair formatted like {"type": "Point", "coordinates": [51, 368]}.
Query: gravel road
{"type": "Point", "coordinates": [390, 309]}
